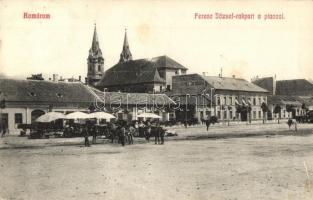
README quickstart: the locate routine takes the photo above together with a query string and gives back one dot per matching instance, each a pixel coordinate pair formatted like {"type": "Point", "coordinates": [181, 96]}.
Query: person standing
{"type": "Point", "coordinates": [162, 134]}
{"type": "Point", "coordinates": [122, 135]}
{"type": "Point", "coordinates": [136, 126]}
{"type": "Point", "coordinates": [141, 129]}
{"type": "Point", "coordinates": [85, 132]}
{"type": "Point", "coordinates": [207, 123]}
{"type": "Point", "coordinates": [130, 135]}
{"type": "Point", "coordinates": [148, 131]}
{"type": "Point", "coordinates": [157, 133]}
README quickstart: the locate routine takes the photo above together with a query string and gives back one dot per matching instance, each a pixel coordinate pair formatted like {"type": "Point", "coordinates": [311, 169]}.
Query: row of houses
{"type": "Point", "coordinates": [160, 85]}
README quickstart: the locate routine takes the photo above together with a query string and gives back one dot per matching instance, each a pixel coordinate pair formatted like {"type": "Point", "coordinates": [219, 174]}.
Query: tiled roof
{"type": "Point", "coordinates": [44, 91]}
{"type": "Point", "coordinates": [167, 62]}
{"type": "Point", "coordinates": [226, 83]}
{"type": "Point", "coordinates": [131, 72]}
{"type": "Point", "coordinates": [284, 100]}
{"type": "Point", "coordinates": [300, 87]}
{"type": "Point", "coordinates": [133, 98]}
{"type": "Point", "coordinates": [307, 100]}
{"type": "Point", "coordinates": [266, 83]}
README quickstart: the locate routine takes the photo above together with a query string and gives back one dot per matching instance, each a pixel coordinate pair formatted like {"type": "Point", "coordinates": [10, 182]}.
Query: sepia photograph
{"type": "Point", "coordinates": [189, 100]}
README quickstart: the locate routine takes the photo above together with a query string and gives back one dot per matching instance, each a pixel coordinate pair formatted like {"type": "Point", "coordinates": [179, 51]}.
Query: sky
{"type": "Point", "coordinates": [244, 48]}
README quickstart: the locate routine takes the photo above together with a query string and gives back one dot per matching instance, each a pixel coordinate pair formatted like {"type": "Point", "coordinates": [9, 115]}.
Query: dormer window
{"type": "Point", "coordinates": [59, 95]}
{"type": "Point", "coordinates": [33, 94]}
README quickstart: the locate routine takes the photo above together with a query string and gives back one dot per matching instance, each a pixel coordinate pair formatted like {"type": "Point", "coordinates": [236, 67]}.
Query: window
{"type": "Point", "coordinates": [225, 101]}
{"type": "Point", "coordinates": [219, 114]}
{"type": "Point", "coordinates": [99, 68]}
{"type": "Point", "coordinates": [18, 118]}
{"type": "Point", "coordinates": [218, 100]}
{"type": "Point", "coordinates": [260, 101]}
{"type": "Point", "coordinates": [230, 101]}
{"type": "Point", "coordinates": [168, 87]}
{"type": "Point", "coordinates": [230, 114]}
{"type": "Point", "coordinates": [254, 101]}
{"type": "Point", "coordinates": [254, 114]}
{"type": "Point", "coordinates": [225, 114]}
{"type": "Point", "coordinates": [161, 88]}
{"type": "Point", "coordinates": [259, 114]}
{"type": "Point", "coordinates": [33, 94]}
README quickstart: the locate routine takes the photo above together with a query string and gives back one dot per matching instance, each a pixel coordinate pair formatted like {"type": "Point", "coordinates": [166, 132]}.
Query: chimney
{"type": "Point", "coordinates": [204, 73]}
{"type": "Point", "coordinates": [55, 78]}
{"type": "Point", "coordinates": [234, 76]}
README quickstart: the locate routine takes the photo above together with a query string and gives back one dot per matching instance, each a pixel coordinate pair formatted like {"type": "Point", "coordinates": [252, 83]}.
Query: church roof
{"type": "Point", "coordinates": [44, 91]}
{"type": "Point", "coordinates": [167, 62]}
{"type": "Point", "coordinates": [131, 72]}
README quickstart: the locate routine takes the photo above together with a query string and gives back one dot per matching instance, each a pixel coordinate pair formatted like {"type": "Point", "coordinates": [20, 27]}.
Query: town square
{"type": "Point", "coordinates": [156, 100]}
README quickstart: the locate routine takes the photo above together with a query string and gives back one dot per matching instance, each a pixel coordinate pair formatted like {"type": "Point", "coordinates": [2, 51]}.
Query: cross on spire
{"type": "Point", "coordinates": [126, 54]}
{"type": "Point", "coordinates": [95, 42]}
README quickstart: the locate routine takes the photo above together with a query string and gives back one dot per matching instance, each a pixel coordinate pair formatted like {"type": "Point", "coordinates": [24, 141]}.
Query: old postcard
{"type": "Point", "coordinates": [156, 99]}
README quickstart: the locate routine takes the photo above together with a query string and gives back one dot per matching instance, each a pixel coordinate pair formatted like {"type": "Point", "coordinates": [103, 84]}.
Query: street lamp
{"type": "Point", "coordinates": [187, 95]}
{"type": "Point", "coordinates": [212, 89]}
{"type": "Point", "coordinates": [104, 89]}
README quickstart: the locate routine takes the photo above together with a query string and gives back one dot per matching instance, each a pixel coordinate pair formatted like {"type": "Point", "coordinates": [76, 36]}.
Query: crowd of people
{"type": "Point", "coordinates": [123, 133]}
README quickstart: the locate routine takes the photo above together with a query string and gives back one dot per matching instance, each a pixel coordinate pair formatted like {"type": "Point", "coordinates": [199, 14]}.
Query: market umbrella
{"type": "Point", "coordinates": [50, 116]}
{"type": "Point", "coordinates": [101, 115]}
{"type": "Point", "coordinates": [77, 115]}
{"type": "Point", "coordinates": [149, 115]}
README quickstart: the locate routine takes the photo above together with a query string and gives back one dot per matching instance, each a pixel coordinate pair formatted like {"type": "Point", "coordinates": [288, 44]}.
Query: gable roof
{"type": "Point", "coordinates": [237, 84]}
{"type": "Point", "coordinates": [266, 83]}
{"type": "Point", "coordinates": [44, 91]}
{"type": "Point", "coordinates": [294, 87]}
{"type": "Point", "coordinates": [167, 62]}
{"type": "Point", "coordinates": [131, 72]}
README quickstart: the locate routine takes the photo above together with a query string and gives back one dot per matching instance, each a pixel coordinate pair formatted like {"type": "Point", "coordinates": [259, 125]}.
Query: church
{"type": "Point", "coordinates": [128, 75]}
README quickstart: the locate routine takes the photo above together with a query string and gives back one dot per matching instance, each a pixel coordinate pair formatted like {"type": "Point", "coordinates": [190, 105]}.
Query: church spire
{"type": "Point", "coordinates": [95, 61]}
{"type": "Point", "coordinates": [95, 47]}
{"type": "Point", "coordinates": [126, 55]}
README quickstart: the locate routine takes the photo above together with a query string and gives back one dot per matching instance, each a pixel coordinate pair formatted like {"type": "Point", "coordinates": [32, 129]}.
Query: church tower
{"type": "Point", "coordinates": [126, 55]}
{"type": "Point", "coordinates": [95, 61]}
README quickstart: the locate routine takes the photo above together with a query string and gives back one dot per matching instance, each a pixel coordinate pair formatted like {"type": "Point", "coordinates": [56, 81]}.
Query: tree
{"type": "Point", "coordinates": [249, 113]}
{"type": "Point", "coordinates": [304, 109]}
{"type": "Point", "coordinates": [277, 110]}
{"type": "Point", "coordinates": [264, 110]}
{"type": "Point", "coordinates": [289, 108]}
